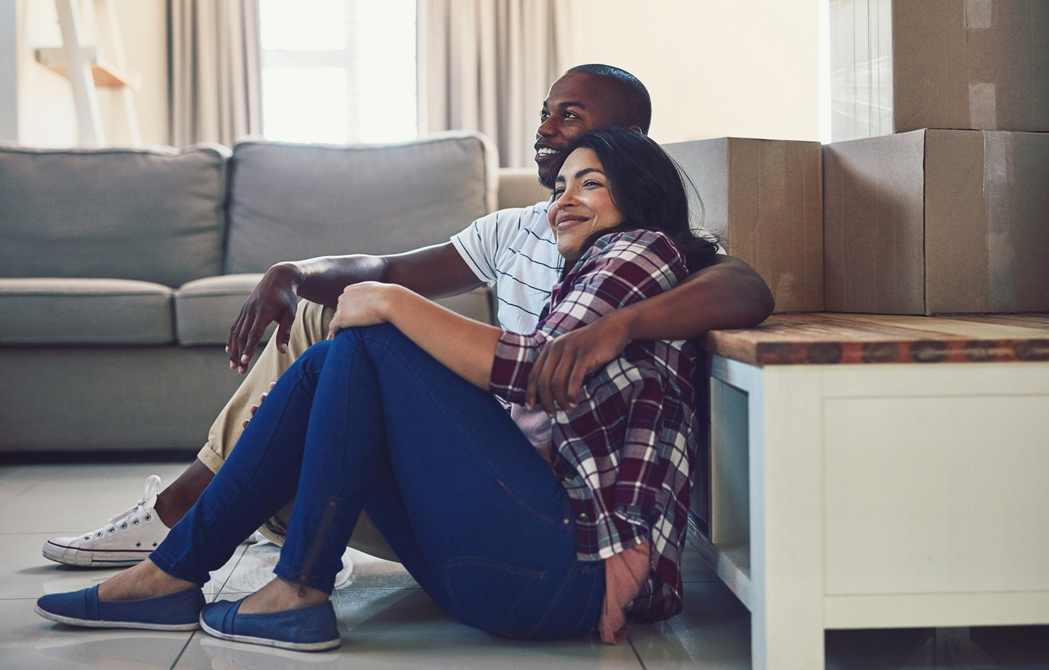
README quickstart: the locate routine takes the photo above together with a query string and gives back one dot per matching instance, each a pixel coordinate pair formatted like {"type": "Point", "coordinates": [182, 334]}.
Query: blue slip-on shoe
{"type": "Point", "coordinates": [176, 611]}
{"type": "Point", "coordinates": [312, 628]}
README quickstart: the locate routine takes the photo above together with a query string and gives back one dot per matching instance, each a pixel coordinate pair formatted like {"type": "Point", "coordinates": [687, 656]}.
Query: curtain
{"type": "Point", "coordinates": [487, 65]}
{"type": "Point", "coordinates": [215, 60]}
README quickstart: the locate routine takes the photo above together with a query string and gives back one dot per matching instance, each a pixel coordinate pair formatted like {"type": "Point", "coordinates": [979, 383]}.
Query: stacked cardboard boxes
{"type": "Point", "coordinates": [763, 199]}
{"type": "Point", "coordinates": [953, 216]}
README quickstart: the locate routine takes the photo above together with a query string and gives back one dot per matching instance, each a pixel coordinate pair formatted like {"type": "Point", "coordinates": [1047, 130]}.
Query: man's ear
{"type": "Point", "coordinates": [636, 129]}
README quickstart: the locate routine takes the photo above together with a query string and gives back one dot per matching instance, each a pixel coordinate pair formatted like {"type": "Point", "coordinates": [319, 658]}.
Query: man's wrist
{"type": "Point", "coordinates": [286, 273]}
{"type": "Point", "coordinates": [628, 322]}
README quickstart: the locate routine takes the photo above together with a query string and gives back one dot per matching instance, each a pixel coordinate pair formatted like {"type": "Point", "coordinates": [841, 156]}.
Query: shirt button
{"type": "Point", "coordinates": [583, 517]}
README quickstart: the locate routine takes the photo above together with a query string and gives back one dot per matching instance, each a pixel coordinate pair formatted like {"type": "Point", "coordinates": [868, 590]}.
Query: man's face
{"type": "Point", "coordinates": [577, 102]}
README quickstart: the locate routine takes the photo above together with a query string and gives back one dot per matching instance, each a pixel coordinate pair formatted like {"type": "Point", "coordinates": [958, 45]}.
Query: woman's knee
{"type": "Point", "coordinates": [312, 360]}
{"type": "Point", "coordinates": [379, 334]}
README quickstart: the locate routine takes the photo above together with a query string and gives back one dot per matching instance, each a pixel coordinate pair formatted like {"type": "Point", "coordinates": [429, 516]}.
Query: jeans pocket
{"type": "Point", "coordinates": [559, 520]}
{"type": "Point", "coordinates": [491, 595]}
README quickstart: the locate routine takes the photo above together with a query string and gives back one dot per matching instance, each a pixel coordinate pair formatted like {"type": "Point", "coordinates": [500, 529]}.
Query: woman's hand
{"type": "Point", "coordinates": [363, 304]}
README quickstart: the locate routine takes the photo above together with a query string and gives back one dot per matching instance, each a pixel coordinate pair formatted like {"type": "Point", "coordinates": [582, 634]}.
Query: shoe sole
{"type": "Point", "coordinates": [267, 642]}
{"type": "Point", "coordinates": [89, 623]}
{"type": "Point", "coordinates": [88, 560]}
{"type": "Point", "coordinates": [113, 558]}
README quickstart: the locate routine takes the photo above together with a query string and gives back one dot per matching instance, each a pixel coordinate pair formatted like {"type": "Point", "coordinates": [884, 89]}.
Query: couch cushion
{"type": "Point", "coordinates": [84, 311]}
{"type": "Point", "coordinates": [205, 309]}
{"type": "Point", "coordinates": [148, 214]}
{"type": "Point", "coordinates": [293, 201]}
{"type": "Point", "coordinates": [520, 187]}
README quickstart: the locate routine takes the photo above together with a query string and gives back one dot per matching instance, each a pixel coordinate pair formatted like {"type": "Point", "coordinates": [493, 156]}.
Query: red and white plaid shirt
{"type": "Point", "coordinates": [626, 453]}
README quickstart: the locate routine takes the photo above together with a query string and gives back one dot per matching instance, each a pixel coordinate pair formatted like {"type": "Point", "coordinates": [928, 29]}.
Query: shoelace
{"type": "Point", "coordinates": [152, 484]}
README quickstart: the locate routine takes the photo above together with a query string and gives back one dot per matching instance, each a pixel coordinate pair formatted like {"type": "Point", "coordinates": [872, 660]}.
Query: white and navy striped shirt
{"type": "Point", "coordinates": [515, 251]}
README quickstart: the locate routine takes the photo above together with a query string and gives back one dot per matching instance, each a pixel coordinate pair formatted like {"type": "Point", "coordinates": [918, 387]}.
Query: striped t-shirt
{"type": "Point", "coordinates": [515, 251]}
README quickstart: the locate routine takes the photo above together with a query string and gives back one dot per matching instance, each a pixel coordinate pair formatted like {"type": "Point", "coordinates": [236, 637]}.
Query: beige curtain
{"type": "Point", "coordinates": [215, 56]}
{"type": "Point", "coordinates": [487, 65]}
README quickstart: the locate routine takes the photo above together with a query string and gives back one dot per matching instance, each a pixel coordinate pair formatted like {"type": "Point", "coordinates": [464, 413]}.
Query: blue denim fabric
{"type": "Point", "coordinates": [370, 421]}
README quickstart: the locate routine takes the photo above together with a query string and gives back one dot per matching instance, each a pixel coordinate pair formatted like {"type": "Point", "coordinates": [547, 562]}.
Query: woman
{"type": "Point", "coordinates": [529, 528]}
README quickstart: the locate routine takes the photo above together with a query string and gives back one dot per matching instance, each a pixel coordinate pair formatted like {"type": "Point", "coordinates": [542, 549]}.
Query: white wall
{"type": "Point", "coordinates": [46, 115]}
{"type": "Point", "coordinates": [8, 71]}
{"type": "Point", "coordinates": [714, 68]}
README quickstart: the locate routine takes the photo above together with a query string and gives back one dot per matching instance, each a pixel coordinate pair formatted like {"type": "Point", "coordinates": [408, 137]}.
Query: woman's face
{"type": "Point", "coordinates": [582, 203]}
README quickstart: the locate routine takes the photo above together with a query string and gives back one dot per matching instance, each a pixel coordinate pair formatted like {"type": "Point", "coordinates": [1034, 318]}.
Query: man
{"type": "Point", "coordinates": [512, 249]}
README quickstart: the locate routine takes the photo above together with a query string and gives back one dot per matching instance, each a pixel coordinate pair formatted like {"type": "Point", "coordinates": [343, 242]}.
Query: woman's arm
{"type": "Point", "coordinates": [464, 346]}
{"type": "Point", "coordinates": [629, 268]}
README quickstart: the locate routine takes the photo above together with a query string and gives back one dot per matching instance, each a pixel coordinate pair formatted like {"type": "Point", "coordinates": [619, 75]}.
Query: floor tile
{"type": "Point", "coordinates": [405, 629]}
{"type": "Point", "coordinates": [29, 641]}
{"type": "Point", "coordinates": [78, 499]}
{"type": "Point", "coordinates": [713, 631]}
{"type": "Point", "coordinates": [695, 569]}
{"type": "Point", "coordinates": [385, 619]}
{"type": "Point", "coordinates": [25, 573]}
{"type": "Point", "coordinates": [14, 480]}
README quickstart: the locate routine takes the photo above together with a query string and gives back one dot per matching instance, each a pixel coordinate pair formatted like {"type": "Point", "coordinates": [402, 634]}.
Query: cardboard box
{"type": "Point", "coordinates": [901, 65]}
{"type": "Point", "coordinates": [937, 222]}
{"type": "Point", "coordinates": [763, 199]}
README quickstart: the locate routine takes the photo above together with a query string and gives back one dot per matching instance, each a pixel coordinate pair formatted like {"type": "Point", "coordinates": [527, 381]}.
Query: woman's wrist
{"type": "Point", "coordinates": [393, 302]}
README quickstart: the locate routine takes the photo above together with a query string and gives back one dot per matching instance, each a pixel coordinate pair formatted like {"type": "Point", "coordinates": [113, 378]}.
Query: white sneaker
{"type": "Point", "coordinates": [127, 539]}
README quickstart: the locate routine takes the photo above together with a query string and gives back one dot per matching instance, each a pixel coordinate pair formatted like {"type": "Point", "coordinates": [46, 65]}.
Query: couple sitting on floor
{"type": "Point", "coordinates": [563, 515]}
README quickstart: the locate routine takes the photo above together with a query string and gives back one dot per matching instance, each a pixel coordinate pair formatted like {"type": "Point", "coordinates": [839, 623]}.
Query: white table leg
{"type": "Point", "coordinates": [786, 526]}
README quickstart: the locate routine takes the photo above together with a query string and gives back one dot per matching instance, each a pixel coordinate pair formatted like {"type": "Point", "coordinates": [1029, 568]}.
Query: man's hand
{"type": "Point", "coordinates": [272, 300]}
{"type": "Point", "coordinates": [565, 361]}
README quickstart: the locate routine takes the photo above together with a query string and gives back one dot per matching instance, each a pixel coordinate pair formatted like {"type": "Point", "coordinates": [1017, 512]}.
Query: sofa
{"type": "Point", "coordinates": [122, 270]}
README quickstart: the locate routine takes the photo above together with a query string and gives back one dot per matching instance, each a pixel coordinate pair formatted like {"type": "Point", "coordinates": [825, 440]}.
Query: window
{"type": "Point", "coordinates": [338, 71]}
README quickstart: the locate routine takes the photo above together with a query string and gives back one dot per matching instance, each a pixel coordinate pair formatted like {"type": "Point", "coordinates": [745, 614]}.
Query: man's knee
{"type": "Point", "coordinates": [313, 320]}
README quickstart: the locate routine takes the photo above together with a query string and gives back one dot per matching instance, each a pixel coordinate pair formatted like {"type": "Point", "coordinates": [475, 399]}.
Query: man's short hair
{"type": "Point", "coordinates": [633, 106]}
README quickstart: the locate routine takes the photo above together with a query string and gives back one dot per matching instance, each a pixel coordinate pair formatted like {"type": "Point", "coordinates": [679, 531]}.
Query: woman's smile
{"type": "Point", "coordinates": [583, 203]}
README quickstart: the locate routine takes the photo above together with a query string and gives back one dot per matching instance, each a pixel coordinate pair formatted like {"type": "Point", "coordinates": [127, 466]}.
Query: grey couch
{"type": "Point", "coordinates": [121, 271]}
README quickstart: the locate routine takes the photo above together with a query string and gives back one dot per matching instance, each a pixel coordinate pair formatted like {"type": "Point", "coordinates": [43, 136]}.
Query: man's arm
{"type": "Point", "coordinates": [728, 294]}
{"type": "Point", "coordinates": [433, 272]}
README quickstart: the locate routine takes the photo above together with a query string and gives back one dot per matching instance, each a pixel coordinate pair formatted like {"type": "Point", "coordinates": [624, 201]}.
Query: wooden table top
{"type": "Point", "coordinates": [826, 338]}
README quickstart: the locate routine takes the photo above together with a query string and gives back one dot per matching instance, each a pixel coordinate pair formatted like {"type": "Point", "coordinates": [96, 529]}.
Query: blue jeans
{"type": "Point", "coordinates": [371, 421]}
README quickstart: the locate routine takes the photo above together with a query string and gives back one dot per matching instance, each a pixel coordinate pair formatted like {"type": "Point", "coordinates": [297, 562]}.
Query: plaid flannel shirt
{"type": "Point", "coordinates": [626, 453]}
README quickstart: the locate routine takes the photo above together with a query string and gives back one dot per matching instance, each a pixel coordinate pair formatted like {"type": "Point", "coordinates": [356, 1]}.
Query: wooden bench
{"type": "Point", "coordinates": [879, 471]}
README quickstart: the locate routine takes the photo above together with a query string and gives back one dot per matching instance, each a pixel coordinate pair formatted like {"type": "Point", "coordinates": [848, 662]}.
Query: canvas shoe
{"type": "Point", "coordinates": [176, 611]}
{"type": "Point", "coordinates": [313, 628]}
{"type": "Point", "coordinates": [127, 539]}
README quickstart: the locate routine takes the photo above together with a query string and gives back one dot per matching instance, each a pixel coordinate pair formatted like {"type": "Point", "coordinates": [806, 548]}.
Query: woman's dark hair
{"type": "Point", "coordinates": [647, 188]}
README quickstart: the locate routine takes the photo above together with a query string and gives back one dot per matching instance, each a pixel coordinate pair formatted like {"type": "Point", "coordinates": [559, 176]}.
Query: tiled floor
{"type": "Point", "coordinates": [386, 620]}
